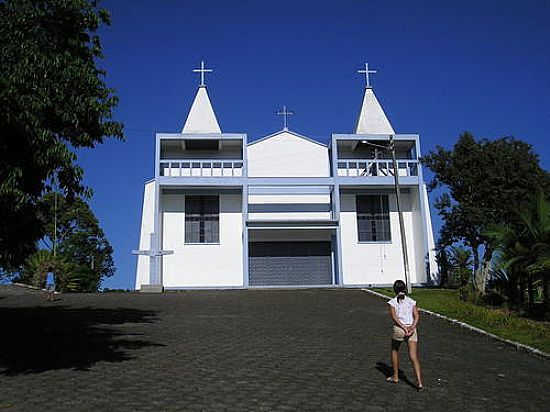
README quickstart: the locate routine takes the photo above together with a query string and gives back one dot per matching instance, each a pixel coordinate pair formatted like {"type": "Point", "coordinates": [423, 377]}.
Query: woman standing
{"type": "Point", "coordinates": [405, 316]}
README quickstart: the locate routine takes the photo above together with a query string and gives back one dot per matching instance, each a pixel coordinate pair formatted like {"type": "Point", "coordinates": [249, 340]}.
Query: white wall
{"type": "Point", "coordinates": [434, 269]}
{"type": "Point", "coordinates": [287, 155]}
{"type": "Point", "coordinates": [418, 236]}
{"type": "Point", "coordinates": [379, 262]}
{"type": "Point", "coordinates": [148, 210]}
{"type": "Point", "coordinates": [270, 202]}
{"type": "Point", "coordinates": [203, 265]}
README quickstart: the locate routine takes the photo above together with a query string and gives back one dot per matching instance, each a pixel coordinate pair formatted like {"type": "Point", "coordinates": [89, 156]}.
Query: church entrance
{"type": "Point", "coordinates": [290, 263]}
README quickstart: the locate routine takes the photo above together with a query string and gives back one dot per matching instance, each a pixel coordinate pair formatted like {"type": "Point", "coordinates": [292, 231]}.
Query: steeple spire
{"type": "Point", "coordinates": [371, 119]}
{"type": "Point", "coordinates": [201, 117]}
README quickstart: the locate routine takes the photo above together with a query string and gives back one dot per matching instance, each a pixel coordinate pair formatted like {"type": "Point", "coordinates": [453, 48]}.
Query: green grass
{"type": "Point", "coordinates": [505, 324]}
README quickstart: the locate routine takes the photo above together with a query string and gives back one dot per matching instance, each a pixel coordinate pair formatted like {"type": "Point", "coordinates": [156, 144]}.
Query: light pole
{"type": "Point", "coordinates": [391, 148]}
{"type": "Point", "coordinates": [400, 214]}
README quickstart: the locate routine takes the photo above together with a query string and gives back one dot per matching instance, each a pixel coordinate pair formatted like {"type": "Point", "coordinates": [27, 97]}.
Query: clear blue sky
{"type": "Point", "coordinates": [444, 67]}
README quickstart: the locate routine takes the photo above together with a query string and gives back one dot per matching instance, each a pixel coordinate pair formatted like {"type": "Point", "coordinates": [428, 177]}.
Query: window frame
{"type": "Point", "coordinates": [378, 219]}
{"type": "Point", "coordinates": [202, 218]}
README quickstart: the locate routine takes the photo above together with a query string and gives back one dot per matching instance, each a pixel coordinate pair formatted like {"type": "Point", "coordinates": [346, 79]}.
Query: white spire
{"type": "Point", "coordinates": [372, 119]}
{"type": "Point", "coordinates": [201, 117]}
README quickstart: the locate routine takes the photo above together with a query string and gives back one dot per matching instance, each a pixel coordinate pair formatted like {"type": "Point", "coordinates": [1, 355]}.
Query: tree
{"type": "Point", "coordinates": [53, 102]}
{"type": "Point", "coordinates": [485, 182]}
{"type": "Point", "coordinates": [74, 245]}
{"type": "Point", "coordinates": [460, 262]}
{"type": "Point", "coordinates": [524, 251]}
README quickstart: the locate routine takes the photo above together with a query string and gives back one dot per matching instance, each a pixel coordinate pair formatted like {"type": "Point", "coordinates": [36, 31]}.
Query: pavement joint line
{"type": "Point", "coordinates": [465, 325]}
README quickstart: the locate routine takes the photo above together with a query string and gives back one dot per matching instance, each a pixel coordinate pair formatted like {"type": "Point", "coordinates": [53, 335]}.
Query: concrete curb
{"type": "Point", "coordinates": [22, 285]}
{"type": "Point", "coordinates": [517, 345]}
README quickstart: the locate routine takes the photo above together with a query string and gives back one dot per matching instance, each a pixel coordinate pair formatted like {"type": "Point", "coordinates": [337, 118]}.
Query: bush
{"type": "Point", "coordinates": [494, 298]}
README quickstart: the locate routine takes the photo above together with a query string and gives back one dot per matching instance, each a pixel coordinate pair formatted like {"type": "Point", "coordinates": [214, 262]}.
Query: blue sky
{"type": "Point", "coordinates": [444, 67]}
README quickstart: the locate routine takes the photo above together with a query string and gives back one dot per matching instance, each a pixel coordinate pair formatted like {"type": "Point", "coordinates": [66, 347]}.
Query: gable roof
{"type": "Point", "coordinates": [372, 119]}
{"type": "Point", "coordinates": [201, 117]}
{"type": "Point", "coordinates": [309, 139]}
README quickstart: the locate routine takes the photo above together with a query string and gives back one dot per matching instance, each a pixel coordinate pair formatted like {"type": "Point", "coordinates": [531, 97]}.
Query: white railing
{"type": "Point", "coordinates": [201, 168]}
{"type": "Point", "coordinates": [376, 168]}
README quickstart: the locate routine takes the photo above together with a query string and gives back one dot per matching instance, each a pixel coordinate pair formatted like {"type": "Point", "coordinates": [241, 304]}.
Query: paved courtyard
{"type": "Point", "coordinates": [259, 350]}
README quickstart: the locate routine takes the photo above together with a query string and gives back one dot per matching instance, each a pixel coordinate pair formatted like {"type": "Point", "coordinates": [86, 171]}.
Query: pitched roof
{"type": "Point", "coordinates": [372, 119]}
{"type": "Point", "coordinates": [201, 117]}
{"type": "Point", "coordinates": [309, 139]}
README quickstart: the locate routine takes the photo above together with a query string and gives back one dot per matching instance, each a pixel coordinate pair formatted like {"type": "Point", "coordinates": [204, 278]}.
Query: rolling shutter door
{"type": "Point", "coordinates": [290, 263]}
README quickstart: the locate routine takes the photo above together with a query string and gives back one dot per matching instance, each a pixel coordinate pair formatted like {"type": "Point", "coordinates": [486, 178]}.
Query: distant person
{"type": "Point", "coordinates": [405, 316]}
{"type": "Point", "coordinates": [50, 285]}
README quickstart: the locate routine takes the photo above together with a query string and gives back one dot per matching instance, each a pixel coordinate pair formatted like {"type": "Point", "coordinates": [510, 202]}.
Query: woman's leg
{"type": "Point", "coordinates": [395, 359]}
{"type": "Point", "coordinates": [413, 355]}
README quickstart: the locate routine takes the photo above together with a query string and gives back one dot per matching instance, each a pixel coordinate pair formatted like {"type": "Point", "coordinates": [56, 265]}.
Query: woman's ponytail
{"type": "Point", "coordinates": [399, 288]}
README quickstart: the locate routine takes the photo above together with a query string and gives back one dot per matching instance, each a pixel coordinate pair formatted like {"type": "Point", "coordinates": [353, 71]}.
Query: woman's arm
{"type": "Point", "coordinates": [416, 317]}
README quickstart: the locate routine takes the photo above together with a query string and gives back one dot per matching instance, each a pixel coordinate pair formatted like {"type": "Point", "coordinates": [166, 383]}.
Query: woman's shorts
{"type": "Point", "coordinates": [50, 288]}
{"type": "Point", "coordinates": [399, 335]}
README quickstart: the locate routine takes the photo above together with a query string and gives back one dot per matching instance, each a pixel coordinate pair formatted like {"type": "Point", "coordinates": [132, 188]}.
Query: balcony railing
{"type": "Point", "coordinates": [375, 168]}
{"type": "Point", "coordinates": [201, 168]}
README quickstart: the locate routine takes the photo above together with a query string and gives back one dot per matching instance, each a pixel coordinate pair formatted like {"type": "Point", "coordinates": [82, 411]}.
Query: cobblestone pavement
{"type": "Point", "coordinates": [259, 350]}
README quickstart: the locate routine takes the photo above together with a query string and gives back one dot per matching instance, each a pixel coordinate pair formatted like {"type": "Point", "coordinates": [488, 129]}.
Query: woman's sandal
{"type": "Point", "coordinates": [390, 379]}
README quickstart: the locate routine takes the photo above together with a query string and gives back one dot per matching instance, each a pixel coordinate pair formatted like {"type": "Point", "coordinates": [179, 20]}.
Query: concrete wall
{"type": "Point", "coordinates": [434, 269]}
{"type": "Point", "coordinates": [289, 207]}
{"type": "Point", "coordinates": [205, 265]}
{"type": "Point", "coordinates": [147, 214]}
{"type": "Point", "coordinates": [380, 262]}
{"type": "Point", "coordinates": [287, 155]}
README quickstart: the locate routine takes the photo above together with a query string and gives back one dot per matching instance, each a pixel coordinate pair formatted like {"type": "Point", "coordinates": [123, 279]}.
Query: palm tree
{"type": "Point", "coordinates": [524, 250]}
{"type": "Point", "coordinates": [461, 264]}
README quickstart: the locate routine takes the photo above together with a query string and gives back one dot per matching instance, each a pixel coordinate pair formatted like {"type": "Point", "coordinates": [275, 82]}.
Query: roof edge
{"type": "Point", "coordinates": [309, 139]}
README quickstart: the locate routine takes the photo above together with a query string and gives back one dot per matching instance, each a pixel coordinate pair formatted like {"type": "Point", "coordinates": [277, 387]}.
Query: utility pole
{"type": "Point", "coordinates": [54, 215]}
{"type": "Point", "coordinates": [400, 214]}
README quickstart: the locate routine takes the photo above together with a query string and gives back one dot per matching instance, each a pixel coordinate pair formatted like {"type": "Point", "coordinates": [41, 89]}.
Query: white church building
{"type": "Point", "coordinates": [284, 210]}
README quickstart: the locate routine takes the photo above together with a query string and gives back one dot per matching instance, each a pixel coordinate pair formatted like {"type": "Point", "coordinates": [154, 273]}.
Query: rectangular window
{"type": "Point", "coordinates": [202, 219]}
{"type": "Point", "coordinates": [373, 218]}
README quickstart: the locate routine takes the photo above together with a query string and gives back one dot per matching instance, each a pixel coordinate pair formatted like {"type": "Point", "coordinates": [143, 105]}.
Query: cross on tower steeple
{"type": "Point", "coordinates": [285, 113]}
{"type": "Point", "coordinates": [367, 72]}
{"type": "Point", "coordinates": [202, 70]}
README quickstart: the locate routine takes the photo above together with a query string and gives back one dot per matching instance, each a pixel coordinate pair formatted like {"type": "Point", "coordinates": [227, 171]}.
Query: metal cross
{"type": "Point", "coordinates": [202, 70]}
{"type": "Point", "coordinates": [367, 72]}
{"type": "Point", "coordinates": [285, 113]}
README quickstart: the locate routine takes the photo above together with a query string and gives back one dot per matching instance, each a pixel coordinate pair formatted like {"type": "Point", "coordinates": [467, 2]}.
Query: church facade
{"type": "Point", "coordinates": [284, 210]}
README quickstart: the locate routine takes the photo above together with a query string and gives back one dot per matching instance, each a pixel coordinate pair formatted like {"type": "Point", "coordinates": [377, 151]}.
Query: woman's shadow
{"type": "Point", "coordinates": [387, 371]}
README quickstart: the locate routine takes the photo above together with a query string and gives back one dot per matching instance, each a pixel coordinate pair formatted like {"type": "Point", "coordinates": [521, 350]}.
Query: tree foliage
{"type": "Point", "coordinates": [524, 252]}
{"type": "Point", "coordinates": [461, 263]}
{"type": "Point", "coordinates": [485, 182]}
{"type": "Point", "coordinates": [54, 100]}
{"type": "Point", "coordinates": [83, 256]}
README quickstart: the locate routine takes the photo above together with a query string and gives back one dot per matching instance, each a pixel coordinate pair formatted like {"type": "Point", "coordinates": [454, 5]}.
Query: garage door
{"type": "Point", "coordinates": [290, 263]}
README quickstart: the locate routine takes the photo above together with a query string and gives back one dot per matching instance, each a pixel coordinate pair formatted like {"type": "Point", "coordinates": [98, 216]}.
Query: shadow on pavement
{"type": "Point", "coordinates": [38, 339]}
{"type": "Point", "coordinates": [387, 370]}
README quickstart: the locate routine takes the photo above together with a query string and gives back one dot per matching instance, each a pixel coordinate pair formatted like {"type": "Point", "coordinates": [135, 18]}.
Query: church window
{"type": "Point", "coordinates": [373, 218]}
{"type": "Point", "coordinates": [202, 219]}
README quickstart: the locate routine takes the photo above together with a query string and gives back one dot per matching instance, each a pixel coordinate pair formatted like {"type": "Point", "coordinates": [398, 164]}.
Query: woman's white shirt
{"type": "Point", "coordinates": [404, 309]}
